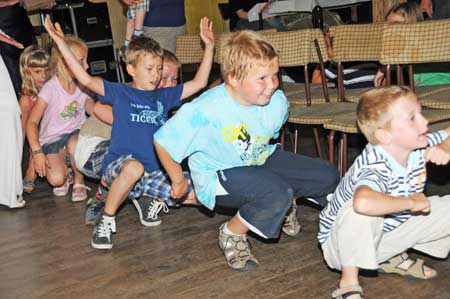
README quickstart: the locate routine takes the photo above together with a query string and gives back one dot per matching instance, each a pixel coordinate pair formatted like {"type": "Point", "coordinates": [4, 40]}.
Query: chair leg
{"type": "Point", "coordinates": [317, 142]}
{"type": "Point", "coordinates": [344, 153]}
{"type": "Point", "coordinates": [341, 157]}
{"type": "Point", "coordinates": [331, 145]}
{"type": "Point", "coordinates": [296, 138]}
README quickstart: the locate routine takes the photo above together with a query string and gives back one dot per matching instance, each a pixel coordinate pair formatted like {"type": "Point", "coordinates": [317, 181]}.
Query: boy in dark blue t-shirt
{"type": "Point", "coordinates": [130, 167]}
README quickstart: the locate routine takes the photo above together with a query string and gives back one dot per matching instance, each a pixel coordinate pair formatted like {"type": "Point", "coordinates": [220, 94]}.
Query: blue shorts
{"type": "Point", "coordinates": [155, 184]}
{"type": "Point", "coordinates": [56, 145]}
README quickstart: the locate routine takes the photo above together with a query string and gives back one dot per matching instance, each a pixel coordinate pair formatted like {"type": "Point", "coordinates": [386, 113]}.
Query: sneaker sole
{"type": "Point", "coordinates": [141, 218]}
{"type": "Point", "coordinates": [101, 246]}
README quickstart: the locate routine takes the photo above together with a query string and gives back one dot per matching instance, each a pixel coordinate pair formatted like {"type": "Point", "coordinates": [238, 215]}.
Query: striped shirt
{"type": "Point", "coordinates": [375, 168]}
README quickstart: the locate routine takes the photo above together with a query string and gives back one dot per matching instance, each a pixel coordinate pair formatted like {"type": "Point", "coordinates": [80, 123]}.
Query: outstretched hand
{"type": "Point", "coordinates": [206, 32]}
{"type": "Point", "coordinates": [54, 31]}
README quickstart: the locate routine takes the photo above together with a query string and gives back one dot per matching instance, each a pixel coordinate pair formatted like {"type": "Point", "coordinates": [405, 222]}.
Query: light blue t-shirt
{"type": "Point", "coordinates": [217, 133]}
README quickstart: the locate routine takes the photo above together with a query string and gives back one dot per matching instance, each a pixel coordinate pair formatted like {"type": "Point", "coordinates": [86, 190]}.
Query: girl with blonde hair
{"type": "Point", "coordinates": [55, 120]}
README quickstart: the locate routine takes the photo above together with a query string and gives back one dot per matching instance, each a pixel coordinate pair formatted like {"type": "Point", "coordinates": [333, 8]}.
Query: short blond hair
{"type": "Point", "coordinates": [372, 110]}
{"type": "Point", "coordinates": [141, 46]}
{"type": "Point", "coordinates": [169, 57]}
{"type": "Point", "coordinates": [240, 51]}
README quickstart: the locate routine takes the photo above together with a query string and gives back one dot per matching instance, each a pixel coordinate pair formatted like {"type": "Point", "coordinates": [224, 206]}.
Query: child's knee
{"type": "Point", "coordinates": [132, 170]}
{"type": "Point", "coordinates": [56, 178]}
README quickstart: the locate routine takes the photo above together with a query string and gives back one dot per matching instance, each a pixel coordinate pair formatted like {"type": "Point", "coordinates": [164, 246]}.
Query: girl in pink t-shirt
{"type": "Point", "coordinates": [33, 69]}
{"type": "Point", "coordinates": [60, 109]}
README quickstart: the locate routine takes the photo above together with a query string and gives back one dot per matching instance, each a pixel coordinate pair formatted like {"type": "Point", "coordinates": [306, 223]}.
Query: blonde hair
{"type": "Point", "coordinates": [373, 106]}
{"type": "Point", "coordinates": [140, 46]}
{"type": "Point", "coordinates": [57, 62]}
{"type": "Point", "coordinates": [243, 50]}
{"type": "Point", "coordinates": [170, 58]}
{"type": "Point", "coordinates": [32, 57]}
{"type": "Point", "coordinates": [409, 11]}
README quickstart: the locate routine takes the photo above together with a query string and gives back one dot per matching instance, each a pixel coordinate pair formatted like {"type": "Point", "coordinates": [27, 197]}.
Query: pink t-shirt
{"type": "Point", "coordinates": [65, 112]}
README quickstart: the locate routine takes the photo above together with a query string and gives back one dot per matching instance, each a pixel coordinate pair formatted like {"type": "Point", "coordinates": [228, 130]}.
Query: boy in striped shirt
{"type": "Point", "coordinates": [378, 211]}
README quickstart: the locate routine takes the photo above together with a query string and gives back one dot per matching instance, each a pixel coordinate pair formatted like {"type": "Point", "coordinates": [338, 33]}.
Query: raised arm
{"type": "Point", "coordinates": [180, 185]}
{"type": "Point", "coordinates": [369, 202]}
{"type": "Point", "coordinates": [93, 83]}
{"type": "Point", "coordinates": [201, 78]}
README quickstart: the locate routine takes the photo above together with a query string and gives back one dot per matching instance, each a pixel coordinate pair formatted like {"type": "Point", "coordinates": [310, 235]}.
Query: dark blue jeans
{"type": "Point", "coordinates": [263, 194]}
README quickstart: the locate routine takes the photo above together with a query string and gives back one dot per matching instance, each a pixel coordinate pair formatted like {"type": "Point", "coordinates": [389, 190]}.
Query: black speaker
{"type": "Point", "coordinates": [89, 21]}
{"type": "Point", "coordinates": [102, 61]}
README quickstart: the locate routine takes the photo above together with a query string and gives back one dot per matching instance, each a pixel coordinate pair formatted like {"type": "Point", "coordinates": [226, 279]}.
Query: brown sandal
{"type": "Point", "coordinates": [415, 271]}
{"type": "Point", "coordinates": [345, 292]}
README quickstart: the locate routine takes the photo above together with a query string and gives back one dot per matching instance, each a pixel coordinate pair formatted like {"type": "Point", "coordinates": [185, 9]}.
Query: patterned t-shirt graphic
{"type": "Point", "coordinates": [252, 149]}
{"type": "Point", "coordinates": [71, 111]}
{"type": "Point", "coordinates": [147, 115]}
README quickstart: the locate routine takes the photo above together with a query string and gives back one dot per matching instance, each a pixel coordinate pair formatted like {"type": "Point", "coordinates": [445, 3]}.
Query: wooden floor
{"type": "Point", "coordinates": [45, 252]}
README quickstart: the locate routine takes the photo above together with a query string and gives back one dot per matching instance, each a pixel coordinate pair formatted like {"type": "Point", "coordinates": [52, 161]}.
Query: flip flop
{"type": "Point", "coordinates": [345, 292]}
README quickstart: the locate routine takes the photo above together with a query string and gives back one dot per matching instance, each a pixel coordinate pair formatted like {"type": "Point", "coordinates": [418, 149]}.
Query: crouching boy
{"type": "Point", "coordinates": [226, 133]}
{"type": "Point", "coordinates": [378, 211]}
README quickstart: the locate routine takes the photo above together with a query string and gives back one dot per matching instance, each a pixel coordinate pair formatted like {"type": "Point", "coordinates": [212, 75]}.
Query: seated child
{"type": "Point", "coordinates": [95, 135]}
{"type": "Point", "coordinates": [130, 167]}
{"type": "Point", "coordinates": [226, 133]}
{"type": "Point", "coordinates": [378, 211]}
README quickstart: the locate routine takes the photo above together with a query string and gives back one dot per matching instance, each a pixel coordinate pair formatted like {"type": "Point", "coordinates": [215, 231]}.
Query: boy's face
{"type": "Point", "coordinates": [169, 75]}
{"type": "Point", "coordinates": [258, 87]}
{"type": "Point", "coordinates": [147, 72]}
{"type": "Point", "coordinates": [408, 127]}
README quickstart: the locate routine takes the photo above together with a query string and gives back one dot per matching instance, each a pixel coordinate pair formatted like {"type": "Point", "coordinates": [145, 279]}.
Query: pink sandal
{"type": "Point", "coordinates": [62, 190]}
{"type": "Point", "coordinates": [80, 196]}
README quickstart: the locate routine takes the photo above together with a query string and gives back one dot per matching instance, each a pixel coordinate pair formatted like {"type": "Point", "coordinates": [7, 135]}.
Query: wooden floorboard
{"type": "Point", "coordinates": [45, 252]}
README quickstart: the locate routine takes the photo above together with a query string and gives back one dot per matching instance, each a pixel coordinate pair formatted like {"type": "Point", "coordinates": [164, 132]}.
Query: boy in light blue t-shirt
{"type": "Point", "coordinates": [378, 211]}
{"type": "Point", "coordinates": [226, 134]}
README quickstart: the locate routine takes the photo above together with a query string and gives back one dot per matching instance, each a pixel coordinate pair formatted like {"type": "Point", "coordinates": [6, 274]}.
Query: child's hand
{"type": "Point", "coordinates": [179, 188]}
{"type": "Point", "coordinates": [420, 203]}
{"type": "Point", "coordinates": [439, 154]}
{"type": "Point", "coordinates": [55, 31]}
{"type": "Point", "coordinates": [206, 32]}
{"type": "Point", "coordinates": [40, 164]}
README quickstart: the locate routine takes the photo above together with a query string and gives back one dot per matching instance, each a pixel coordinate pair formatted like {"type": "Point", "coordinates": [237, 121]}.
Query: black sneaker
{"type": "Point", "coordinates": [102, 234]}
{"type": "Point", "coordinates": [148, 209]}
{"type": "Point", "coordinates": [94, 208]}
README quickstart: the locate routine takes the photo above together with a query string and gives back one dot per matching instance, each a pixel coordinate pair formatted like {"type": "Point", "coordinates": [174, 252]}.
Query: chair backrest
{"type": "Point", "coordinates": [189, 49]}
{"type": "Point", "coordinates": [358, 42]}
{"type": "Point", "coordinates": [420, 42]}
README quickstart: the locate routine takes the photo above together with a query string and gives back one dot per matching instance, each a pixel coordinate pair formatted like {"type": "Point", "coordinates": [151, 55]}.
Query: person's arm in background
{"type": "Point", "coordinates": [427, 7]}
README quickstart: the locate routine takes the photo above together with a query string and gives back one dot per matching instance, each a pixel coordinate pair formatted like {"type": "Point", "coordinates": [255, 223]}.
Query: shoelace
{"type": "Point", "coordinates": [155, 207]}
{"type": "Point", "coordinates": [106, 227]}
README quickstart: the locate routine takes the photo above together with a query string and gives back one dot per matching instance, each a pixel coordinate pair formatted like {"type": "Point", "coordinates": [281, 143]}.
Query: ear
{"type": "Point", "coordinates": [383, 136]}
{"type": "Point", "coordinates": [130, 69]}
{"type": "Point", "coordinates": [232, 81]}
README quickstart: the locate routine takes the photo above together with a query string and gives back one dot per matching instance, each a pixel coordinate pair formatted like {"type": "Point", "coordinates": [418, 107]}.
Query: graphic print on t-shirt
{"type": "Point", "coordinates": [252, 149]}
{"type": "Point", "coordinates": [147, 115]}
{"type": "Point", "coordinates": [71, 111]}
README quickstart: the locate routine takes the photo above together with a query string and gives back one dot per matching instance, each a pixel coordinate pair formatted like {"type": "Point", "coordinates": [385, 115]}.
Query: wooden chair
{"type": "Point", "coordinates": [298, 48]}
{"type": "Point", "coordinates": [423, 42]}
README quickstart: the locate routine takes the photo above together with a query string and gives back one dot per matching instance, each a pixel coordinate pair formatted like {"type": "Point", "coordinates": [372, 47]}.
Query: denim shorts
{"type": "Point", "coordinates": [155, 184]}
{"type": "Point", "coordinates": [56, 145]}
